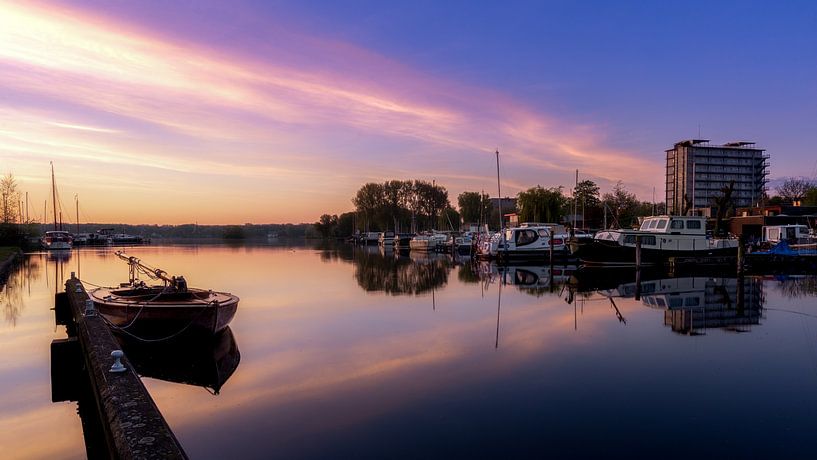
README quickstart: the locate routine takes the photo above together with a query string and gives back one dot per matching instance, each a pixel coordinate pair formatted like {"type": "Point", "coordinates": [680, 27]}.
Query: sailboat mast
{"type": "Point", "coordinates": [76, 200]}
{"type": "Point", "coordinates": [54, 195]}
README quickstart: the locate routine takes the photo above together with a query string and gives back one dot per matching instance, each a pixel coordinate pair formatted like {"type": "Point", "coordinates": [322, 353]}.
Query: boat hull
{"type": "Point", "coordinates": [163, 318]}
{"type": "Point", "coordinates": [605, 253]}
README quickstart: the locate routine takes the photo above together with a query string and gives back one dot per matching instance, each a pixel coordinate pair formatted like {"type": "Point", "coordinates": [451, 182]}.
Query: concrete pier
{"type": "Point", "coordinates": [134, 427]}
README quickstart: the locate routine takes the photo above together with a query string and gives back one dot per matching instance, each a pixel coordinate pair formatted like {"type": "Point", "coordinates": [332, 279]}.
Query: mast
{"type": "Point", "coordinates": [76, 201]}
{"type": "Point", "coordinates": [576, 202]}
{"type": "Point", "coordinates": [54, 194]}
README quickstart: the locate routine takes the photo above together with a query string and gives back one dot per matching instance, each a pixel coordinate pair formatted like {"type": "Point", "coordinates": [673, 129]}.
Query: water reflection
{"type": "Point", "coordinates": [17, 287]}
{"type": "Point", "coordinates": [535, 280]}
{"type": "Point", "coordinates": [794, 287]}
{"type": "Point", "coordinates": [399, 275]}
{"type": "Point", "coordinates": [693, 304]}
{"type": "Point", "coordinates": [207, 362]}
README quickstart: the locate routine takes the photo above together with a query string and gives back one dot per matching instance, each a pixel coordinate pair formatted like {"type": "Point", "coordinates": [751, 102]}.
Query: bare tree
{"type": "Point", "coordinates": [794, 188]}
{"type": "Point", "coordinates": [11, 199]}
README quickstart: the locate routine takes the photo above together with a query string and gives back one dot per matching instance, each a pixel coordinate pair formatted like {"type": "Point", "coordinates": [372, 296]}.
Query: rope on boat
{"type": "Point", "coordinates": [142, 339]}
{"type": "Point", "coordinates": [142, 306]}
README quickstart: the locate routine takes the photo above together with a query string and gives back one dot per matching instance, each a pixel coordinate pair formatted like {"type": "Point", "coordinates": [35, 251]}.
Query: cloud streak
{"type": "Point", "coordinates": [150, 102]}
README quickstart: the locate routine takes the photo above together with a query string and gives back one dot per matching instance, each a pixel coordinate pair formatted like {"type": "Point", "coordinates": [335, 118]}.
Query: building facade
{"type": "Point", "coordinates": [698, 171]}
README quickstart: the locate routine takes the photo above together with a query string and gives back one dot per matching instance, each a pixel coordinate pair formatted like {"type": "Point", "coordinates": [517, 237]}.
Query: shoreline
{"type": "Point", "coordinates": [5, 265]}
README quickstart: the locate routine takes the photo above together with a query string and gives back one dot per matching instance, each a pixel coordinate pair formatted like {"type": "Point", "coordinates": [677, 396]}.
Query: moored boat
{"type": "Point", "coordinates": [428, 242]}
{"type": "Point", "coordinates": [169, 309]}
{"type": "Point", "coordinates": [528, 241]}
{"type": "Point", "coordinates": [56, 240]}
{"type": "Point", "coordinates": [660, 237]}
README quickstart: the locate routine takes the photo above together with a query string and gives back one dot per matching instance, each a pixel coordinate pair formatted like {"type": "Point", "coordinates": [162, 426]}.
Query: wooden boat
{"type": "Point", "coordinates": [162, 311]}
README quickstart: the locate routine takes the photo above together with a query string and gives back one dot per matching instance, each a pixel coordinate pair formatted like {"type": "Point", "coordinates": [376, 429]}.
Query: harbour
{"type": "Point", "coordinates": [427, 353]}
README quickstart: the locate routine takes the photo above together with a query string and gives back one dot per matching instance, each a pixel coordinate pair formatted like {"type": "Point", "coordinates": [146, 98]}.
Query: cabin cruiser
{"type": "Point", "coordinates": [57, 239]}
{"type": "Point", "coordinates": [428, 242]}
{"type": "Point", "coordinates": [386, 239]}
{"type": "Point", "coordinates": [92, 239]}
{"type": "Point", "coordinates": [527, 241]}
{"type": "Point", "coordinates": [793, 234]}
{"type": "Point", "coordinates": [661, 237]}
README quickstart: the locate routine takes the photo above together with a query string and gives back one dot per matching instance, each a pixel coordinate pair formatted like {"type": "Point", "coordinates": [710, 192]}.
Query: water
{"type": "Point", "coordinates": [344, 353]}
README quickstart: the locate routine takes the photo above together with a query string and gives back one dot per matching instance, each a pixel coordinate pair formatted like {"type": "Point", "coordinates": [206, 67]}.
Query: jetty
{"type": "Point", "coordinates": [133, 426]}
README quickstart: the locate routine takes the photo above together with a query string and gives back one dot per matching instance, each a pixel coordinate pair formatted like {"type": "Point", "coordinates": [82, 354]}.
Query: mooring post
{"type": "Point", "coordinates": [638, 252]}
{"type": "Point", "coordinates": [741, 251]}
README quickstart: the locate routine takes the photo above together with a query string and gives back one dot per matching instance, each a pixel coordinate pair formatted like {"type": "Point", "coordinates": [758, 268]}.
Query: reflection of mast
{"type": "Point", "coordinates": [498, 305]}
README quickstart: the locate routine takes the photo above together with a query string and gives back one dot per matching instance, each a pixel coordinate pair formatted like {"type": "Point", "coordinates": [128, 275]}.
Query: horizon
{"type": "Point", "coordinates": [249, 112]}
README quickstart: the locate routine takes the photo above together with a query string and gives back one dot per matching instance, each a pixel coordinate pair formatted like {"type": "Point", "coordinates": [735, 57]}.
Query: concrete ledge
{"type": "Point", "coordinates": [134, 427]}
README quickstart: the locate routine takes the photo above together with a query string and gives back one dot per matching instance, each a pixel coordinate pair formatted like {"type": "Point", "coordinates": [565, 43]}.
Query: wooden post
{"type": "Point", "coordinates": [638, 284]}
{"type": "Point", "coordinates": [741, 250]}
{"type": "Point", "coordinates": [638, 252]}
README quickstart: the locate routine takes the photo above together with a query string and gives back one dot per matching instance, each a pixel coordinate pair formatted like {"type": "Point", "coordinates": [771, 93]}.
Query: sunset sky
{"type": "Point", "coordinates": [273, 111]}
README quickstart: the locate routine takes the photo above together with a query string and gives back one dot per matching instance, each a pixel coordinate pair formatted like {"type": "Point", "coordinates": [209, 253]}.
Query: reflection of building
{"type": "Point", "coordinates": [697, 171]}
{"type": "Point", "coordinates": [692, 304]}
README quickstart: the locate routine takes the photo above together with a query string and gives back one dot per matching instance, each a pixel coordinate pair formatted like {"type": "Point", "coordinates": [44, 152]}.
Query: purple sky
{"type": "Point", "coordinates": [225, 112]}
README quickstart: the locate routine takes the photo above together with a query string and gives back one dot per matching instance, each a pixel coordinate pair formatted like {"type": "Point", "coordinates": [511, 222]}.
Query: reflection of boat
{"type": "Point", "coordinates": [162, 310]}
{"type": "Point", "coordinates": [694, 303]}
{"type": "Point", "coordinates": [201, 361]}
{"type": "Point", "coordinates": [661, 237]}
{"type": "Point", "coordinates": [527, 276]}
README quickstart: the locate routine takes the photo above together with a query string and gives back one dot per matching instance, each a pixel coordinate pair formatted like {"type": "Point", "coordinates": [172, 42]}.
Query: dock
{"type": "Point", "coordinates": [134, 428]}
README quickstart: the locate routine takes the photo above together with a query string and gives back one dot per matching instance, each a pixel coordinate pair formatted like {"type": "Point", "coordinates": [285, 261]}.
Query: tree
{"type": "Point", "coordinates": [11, 199]}
{"type": "Point", "coordinates": [369, 202]}
{"type": "Point", "coordinates": [810, 199]}
{"type": "Point", "coordinates": [538, 204]}
{"type": "Point", "coordinates": [474, 206]}
{"type": "Point", "coordinates": [588, 203]}
{"type": "Point", "coordinates": [622, 204]}
{"type": "Point", "coordinates": [794, 189]}
{"type": "Point", "coordinates": [723, 202]}
{"type": "Point", "coordinates": [326, 225]}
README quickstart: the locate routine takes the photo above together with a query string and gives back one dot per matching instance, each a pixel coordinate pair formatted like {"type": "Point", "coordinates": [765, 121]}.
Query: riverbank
{"type": "Point", "coordinates": [8, 254]}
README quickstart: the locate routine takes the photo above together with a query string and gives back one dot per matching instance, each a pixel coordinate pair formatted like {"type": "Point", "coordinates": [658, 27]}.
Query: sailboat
{"type": "Point", "coordinates": [56, 239]}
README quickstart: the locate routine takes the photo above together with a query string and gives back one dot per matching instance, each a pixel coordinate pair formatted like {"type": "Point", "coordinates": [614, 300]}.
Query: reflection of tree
{"type": "Point", "coordinates": [468, 273]}
{"type": "Point", "coordinates": [398, 276]}
{"type": "Point", "coordinates": [11, 291]}
{"type": "Point", "coordinates": [798, 287]}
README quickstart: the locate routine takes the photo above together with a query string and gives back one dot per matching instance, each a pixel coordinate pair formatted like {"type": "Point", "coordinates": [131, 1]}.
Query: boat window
{"type": "Point", "coordinates": [524, 237]}
{"type": "Point", "coordinates": [648, 240]}
{"type": "Point", "coordinates": [629, 239]}
{"type": "Point", "coordinates": [790, 233]}
{"type": "Point", "coordinates": [774, 234]}
{"type": "Point", "coordinates": [675, 302]}
{"type": "Point", "coordinates": [660, 302]}
{"type": "Point", "coordinates": [543, 233]}
{"type": "Point", "coordinates": [693, 224]}
{"type": "Point", "coordinates": [692, 302]}
{"type": "Point", "coordinates": [652, 223]}
{"type": "Point", "coordinates": [676, 224]}
{"type": "Point", "coordinates": [662, 224]}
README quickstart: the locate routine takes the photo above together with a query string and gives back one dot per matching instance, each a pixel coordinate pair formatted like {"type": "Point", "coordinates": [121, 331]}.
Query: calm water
{"type": "Point", "coordinates": [354, 354]}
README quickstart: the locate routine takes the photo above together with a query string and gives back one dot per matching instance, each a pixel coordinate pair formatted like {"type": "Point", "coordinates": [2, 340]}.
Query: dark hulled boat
{"type": "Point", "coordinates": [661, 237]}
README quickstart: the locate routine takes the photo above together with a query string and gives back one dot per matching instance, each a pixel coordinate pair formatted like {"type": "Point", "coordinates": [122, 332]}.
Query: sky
{"type": "Point", "coordinates": [275, 111]}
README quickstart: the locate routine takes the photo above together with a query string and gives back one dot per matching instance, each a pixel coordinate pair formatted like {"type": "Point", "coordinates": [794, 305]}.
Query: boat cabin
{"type": "Point", "coordinates": [675, 225]}
{"type": "Point", "coordinates": [790, 233]}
